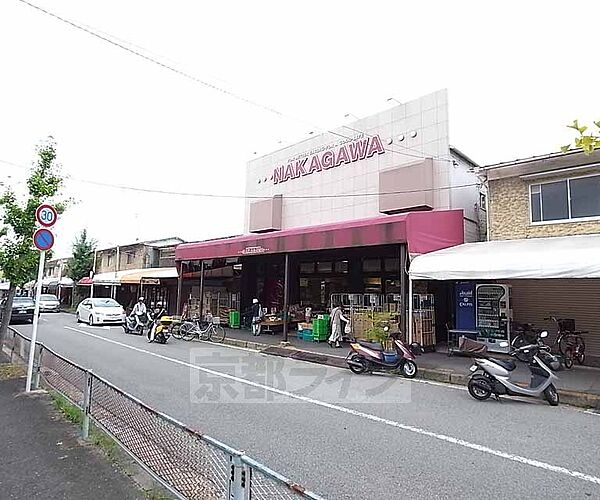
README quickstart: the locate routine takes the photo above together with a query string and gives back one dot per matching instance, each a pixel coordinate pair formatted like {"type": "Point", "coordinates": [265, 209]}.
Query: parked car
{"type": "Point", "coordinates": [23, 309]}
{"type": "Point", "coordinates": [49, 303]}
{"type": "Point", "coordinates": [98, 311]}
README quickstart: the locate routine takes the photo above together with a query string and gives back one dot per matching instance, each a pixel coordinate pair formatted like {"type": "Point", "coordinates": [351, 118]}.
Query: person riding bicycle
{"type": "Point", "coordinates": [139, 310]}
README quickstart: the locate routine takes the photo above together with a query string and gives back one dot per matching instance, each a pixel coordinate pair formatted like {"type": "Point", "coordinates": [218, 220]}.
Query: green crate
{"type": "Point", "coordinates": [319, 337]}
{"type": "Point", "coordinates": [234, 319]}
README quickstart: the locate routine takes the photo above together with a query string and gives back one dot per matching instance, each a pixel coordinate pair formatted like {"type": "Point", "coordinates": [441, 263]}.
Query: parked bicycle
{"type": "Point", "coordinates": [527, 334]}
{"type": "Point", "coordinates": [203, 330]}
{"type": "Point", "coordinates": [570, 343]}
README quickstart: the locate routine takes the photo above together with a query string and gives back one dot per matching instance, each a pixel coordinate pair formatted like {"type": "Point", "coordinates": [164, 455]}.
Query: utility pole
{"type": "Point", "coordinates": [92, 274]}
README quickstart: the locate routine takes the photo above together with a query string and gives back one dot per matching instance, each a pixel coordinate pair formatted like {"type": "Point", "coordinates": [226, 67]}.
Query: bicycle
{"type": "Point", "coordinates": [210, 330]}
{"type": "Point", "coordinates": [570, 342]}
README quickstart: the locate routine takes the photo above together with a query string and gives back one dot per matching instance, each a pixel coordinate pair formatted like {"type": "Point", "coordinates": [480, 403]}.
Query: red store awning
{"type": "Point", "coordinates": [422, 231]}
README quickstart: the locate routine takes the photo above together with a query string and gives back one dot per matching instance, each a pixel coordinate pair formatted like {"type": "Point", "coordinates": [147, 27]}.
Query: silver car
{"type": "Point", "coordinates": [100, 311]}
{"type": "Point", "coordinates": [49, 303]}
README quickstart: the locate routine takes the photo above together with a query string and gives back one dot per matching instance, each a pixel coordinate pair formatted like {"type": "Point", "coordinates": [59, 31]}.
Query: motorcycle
{"type": "Point", "coordinates": [368, 356]}
{"type": "Point", "coordinates": [492, 376]}
{"type": "Point", "coordinates": [160, 331]}
{"type": "Point", "coordinates": [137, 326]}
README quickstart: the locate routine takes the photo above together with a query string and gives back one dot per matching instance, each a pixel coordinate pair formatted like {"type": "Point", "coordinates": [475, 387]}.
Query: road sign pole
{"type": "Point", "coordinates": [36, 317]}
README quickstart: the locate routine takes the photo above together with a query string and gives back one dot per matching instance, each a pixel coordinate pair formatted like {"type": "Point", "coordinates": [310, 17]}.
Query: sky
{"type": "Point", "coordinates": [517, 73]}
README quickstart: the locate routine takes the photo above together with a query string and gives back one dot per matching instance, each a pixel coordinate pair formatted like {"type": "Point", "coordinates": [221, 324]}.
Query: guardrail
{"type": "Point", "coordinates": [187, 463]}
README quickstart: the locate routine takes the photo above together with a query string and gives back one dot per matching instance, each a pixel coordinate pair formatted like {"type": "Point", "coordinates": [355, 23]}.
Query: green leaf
{"type": "Point", "coordinates": [566, 148]}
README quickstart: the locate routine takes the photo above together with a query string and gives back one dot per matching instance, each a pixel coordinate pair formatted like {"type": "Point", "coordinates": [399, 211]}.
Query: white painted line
{"type": "Point", "coordinates": [374, 418]}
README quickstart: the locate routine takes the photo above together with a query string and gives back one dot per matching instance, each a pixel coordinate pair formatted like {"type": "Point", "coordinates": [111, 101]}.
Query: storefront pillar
{"type": "Point", "coordinates": [179, 289]}
{"type": "Point", "coordinates": [201, 289]}
{"type": "Point", "coordinates": [410, 310]}
{"type": "Point", "coordinates": [403, 275]}
{"type": "Point", "coordinates": [286, 296]}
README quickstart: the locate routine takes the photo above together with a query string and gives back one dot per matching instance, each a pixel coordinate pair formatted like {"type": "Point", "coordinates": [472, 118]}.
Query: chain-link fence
{"type": "Point", "coordinates": [187, 463]}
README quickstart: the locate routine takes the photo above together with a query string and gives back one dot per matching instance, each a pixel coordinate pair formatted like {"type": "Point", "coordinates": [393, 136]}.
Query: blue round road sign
{"type": "Point", "coordinates": [43, 239]}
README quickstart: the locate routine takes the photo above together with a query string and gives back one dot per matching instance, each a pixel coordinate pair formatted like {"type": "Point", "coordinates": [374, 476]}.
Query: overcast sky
{"type": "Point", "coordinates": [516, 72]}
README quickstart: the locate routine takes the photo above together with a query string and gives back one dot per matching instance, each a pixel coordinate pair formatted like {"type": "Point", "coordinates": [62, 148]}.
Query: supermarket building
{"type": "Point", "coordinates": [340, 214]}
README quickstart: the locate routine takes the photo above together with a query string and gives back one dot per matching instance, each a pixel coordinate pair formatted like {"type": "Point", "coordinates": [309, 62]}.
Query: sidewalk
{"type": "Point", "coordinates": [579, 386]}
{"type": "Point", "coordinates": [40, 456]}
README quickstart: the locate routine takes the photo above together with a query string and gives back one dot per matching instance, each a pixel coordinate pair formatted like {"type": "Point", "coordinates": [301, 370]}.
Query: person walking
{"type": "Point", "coordinates": [337, 316]}
{"type": "Point", "coordinates": [256, 317]}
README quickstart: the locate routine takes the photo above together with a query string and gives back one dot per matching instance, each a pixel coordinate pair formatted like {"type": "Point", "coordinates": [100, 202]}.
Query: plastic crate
{"type": "Point", "coordinates": [234, 319]}
{"type": "Point", "coordinates": [307, 334]}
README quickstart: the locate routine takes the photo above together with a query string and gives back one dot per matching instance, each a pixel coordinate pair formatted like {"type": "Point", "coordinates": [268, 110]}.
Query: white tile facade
{"type": "Point", "coordinates": [427, 116]}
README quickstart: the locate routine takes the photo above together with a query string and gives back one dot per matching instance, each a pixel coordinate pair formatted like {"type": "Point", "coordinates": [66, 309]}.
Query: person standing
{"type": "Point", "coordinates": [336, 319]}
{"type": "Point", "coordinates": [256, 317]}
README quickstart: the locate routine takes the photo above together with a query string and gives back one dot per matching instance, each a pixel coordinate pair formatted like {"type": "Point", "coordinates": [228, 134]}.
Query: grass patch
{"type": "Point", "coordinates": [74, 415]}
{"type": "Point", "coordinates": [105, 443]}
{"type": "Point", "coordinates": [156, 494]}
{"type": "Point", "coordinates": [9, 371]}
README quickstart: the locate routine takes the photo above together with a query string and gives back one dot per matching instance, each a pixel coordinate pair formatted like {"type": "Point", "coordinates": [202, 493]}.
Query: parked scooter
{"type": "Point", "coordinates": [493, 376]}
{"type": "Point", "coordinates": [137, 326]}
{"type": "Point", "coordinates": [160, 330]}
{"type": "Point", "coordinates": [371, 356]}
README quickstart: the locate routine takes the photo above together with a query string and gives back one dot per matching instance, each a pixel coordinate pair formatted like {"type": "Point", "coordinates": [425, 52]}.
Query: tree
{"type": "Point", "coordinates": [18, 258]}
{"type": "Point", "coordinates": [587, 142]}
{"type": "Point", "coordinates": [82, 261]}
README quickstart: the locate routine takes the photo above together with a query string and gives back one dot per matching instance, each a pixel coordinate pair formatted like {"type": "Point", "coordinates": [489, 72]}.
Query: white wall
{"type": "Point", "coordinates": [428, 116]}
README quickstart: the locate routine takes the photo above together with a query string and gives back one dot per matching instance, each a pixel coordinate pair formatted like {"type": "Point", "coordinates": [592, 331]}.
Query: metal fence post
{"type": "Point", "coordinates": [87, 400]}
{"type": "Point", "coordinates": [239, 479]}
{"type": "Point", "coordinates": [38, 369]}
{"type": "Point", "coordinates": [21, 348]}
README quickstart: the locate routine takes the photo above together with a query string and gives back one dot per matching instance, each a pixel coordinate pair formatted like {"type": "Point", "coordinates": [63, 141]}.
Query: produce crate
{"type": "Point", "coordinates": [306, 334]}
{"type": "Point", "coordinates": [319, 337]}
{"type": "Point", "coordinates": [320, 326]}
{"type": "Point", "coordinates": [234, 319]}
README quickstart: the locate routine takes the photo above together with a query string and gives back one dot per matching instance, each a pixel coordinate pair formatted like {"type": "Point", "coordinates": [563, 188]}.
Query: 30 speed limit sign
{"type": "Point", "coordinates": [46, 215]}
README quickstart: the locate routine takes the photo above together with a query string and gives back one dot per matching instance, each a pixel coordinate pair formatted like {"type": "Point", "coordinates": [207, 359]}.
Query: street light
{"type": "Point", "coordinates": [393, 99]}
{"type": "Point", "coordinates": [347, 115]}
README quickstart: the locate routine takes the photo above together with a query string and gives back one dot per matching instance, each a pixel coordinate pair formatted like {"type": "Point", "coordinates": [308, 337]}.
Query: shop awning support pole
{"type": "Point", "coordinates": [286, 296]}
{"type": "Point", "coordinates": [410, 310]}
{"type": "Point", "coordinates": [179, 289]}
{"type": "Point", "coordinates": [404, 323]}
{"type": "Point", "coordinates": [202, 289]}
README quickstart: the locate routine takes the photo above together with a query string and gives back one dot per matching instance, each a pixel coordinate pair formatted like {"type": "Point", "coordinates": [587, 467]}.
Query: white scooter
{"type": "Point", "coordinates": [493, 376]}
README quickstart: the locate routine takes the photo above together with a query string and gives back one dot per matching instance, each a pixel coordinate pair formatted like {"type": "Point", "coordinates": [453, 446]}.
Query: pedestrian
{"type": "Point", "coordinates": [337, 316]}
{"type": "Point", "coordinates": [257, 314]}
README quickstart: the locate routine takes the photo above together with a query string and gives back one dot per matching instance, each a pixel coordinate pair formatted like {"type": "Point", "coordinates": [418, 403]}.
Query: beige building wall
{"type": "Point", "coordinates": [510, 213]}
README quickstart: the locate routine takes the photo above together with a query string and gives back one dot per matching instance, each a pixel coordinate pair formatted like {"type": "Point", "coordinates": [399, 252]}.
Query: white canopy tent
{"type": "Point", "coordinates": [536, 258]}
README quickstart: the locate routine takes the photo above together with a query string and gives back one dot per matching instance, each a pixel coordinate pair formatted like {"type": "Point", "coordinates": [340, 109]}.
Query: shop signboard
{"type": "Point", "coordinates": [348, 151]}
{"type": "Point", "coordinates": [254, 250]}
{"type": "Point", "coordinates": [465, 306]}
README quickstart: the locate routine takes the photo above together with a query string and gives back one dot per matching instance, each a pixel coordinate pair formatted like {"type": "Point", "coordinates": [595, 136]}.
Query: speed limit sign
{"type": "Point", "coordinates": [46, 215]}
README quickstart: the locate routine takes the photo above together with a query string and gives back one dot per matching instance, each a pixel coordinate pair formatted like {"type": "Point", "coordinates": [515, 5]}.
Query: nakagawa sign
{"type": "Point", "coordinates": [334, 156]}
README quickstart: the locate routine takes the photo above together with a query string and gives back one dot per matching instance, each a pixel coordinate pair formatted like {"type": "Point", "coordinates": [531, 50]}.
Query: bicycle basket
{"type": "Point", "coordinates": [216, 320]}
{"type": "Point", "coordinates": [566, 325]}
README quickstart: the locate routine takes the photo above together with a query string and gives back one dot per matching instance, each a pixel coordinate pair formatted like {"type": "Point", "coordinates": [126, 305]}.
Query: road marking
{"type": "Point", "coordinates": [374, 418]}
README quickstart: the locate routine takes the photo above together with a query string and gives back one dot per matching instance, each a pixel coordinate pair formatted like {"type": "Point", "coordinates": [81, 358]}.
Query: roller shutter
{"type": "Point", "coordinates": [533, 300]}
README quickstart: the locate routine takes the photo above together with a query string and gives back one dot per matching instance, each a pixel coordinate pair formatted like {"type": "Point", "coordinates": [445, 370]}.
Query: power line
{"type": "Point", "coordinates": [244, 197]}
{"type": "Point", "coordinates": [120, 44]}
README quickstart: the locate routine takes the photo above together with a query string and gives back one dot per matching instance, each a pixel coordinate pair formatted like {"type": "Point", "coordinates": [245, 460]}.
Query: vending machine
{"type": "Point", "coordinates": [493, 315]}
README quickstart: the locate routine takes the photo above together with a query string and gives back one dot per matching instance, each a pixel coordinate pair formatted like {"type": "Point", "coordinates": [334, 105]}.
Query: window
{"type": "Point", "coordinates": [566, 199]}
{"type": "Point", "coordinates": [129, 258]}
{"type": "Point", "coordinates": [108, 260]}
{"type": "Point", "coordinates": [371, 265]}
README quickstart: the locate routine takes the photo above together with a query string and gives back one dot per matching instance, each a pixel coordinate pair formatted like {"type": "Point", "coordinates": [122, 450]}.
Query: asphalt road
{"type": "Point", "coordinates": [347, 436]}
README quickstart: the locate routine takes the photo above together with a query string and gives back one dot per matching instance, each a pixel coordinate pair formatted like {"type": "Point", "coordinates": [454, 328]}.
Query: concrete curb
{"type": "Point", "coordinates": [574, 398]}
